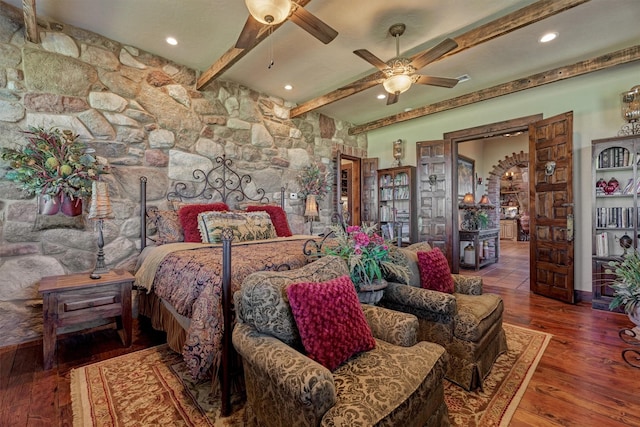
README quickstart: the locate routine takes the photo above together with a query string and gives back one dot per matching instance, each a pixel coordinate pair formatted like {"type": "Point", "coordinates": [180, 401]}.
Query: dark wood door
{"type": "Point", "coordinates": [369, 193]}
{"type": "Point", "coordinates": [551, 207]}
{"type": "Point", "coordinates": [435, 192]}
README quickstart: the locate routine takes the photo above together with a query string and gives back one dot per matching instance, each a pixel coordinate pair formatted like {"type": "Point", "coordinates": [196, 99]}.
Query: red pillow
{"type": "Point", "coordinates": [330, 320]}
{"type": "Point", "coordinates": [189, 219]}
{"type": "Point", "coordinates": [278, 218]}
{"type": "Point", "coordinates": [435, 273]}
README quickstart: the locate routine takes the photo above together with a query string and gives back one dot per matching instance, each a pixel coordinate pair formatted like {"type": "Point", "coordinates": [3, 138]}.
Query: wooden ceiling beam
{"type": "Point", "coordinates": [30, 21]}
{"type": "Point", "coordinates": [233, 54]}
{"type": "Point", "coordinates": [603, 62]}
{"type": "Point", "coordinates": [504, 25]}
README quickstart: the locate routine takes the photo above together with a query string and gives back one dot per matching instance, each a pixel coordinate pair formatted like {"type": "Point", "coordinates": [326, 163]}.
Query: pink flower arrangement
{"type": "Point", "coordinates": [365, 251]}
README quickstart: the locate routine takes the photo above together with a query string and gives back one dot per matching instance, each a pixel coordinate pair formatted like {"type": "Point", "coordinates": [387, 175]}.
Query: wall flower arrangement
{"type": "Point", "coordinates": [314, 181]}
{"type": "Point", "coordinates": [53, 163]}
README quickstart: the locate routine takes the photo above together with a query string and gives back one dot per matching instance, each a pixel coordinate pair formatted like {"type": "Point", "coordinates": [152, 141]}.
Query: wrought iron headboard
{"type": "Point", "coordinates": [222, 180]}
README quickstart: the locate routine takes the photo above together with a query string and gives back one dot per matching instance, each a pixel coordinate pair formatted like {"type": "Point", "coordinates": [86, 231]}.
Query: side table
{"type": "Point", "coordinates": [75, 299]}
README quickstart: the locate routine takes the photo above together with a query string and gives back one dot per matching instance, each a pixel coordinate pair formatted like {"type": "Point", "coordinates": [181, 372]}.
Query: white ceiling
{"type": "Point", "coordinates": [205, 29]}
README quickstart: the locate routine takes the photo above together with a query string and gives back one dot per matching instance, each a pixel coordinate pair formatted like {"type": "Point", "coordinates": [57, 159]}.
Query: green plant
{"type": "Point", "coordinates": [366, 253]}
{"type": "Point", "coordinates": [626, 286]}
{"type": "Point", "coordinates": [53, 162]}
{"type": "Point", "coordinates": [483, 219]}
{"type": "Point", "coordinates": [312, 180]}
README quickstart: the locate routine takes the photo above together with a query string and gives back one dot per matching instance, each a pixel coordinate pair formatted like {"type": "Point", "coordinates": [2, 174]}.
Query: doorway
{"type": "Point", "coordinates": [350, 189]}
{"type": "Point", "coordinates": [492, 186]}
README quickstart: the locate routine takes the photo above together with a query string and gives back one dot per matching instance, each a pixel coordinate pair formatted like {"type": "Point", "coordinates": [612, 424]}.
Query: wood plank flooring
{"type": "Point", "coordinates": [581, 379]}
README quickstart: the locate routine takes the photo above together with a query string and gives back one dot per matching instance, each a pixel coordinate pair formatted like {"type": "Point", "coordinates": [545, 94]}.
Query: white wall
{"type": "Point", "coordinates": [595, 101]}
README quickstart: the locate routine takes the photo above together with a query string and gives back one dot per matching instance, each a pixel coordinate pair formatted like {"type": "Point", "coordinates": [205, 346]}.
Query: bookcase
{"type": "Point", "coordinates": [615, 216]}
{"type": "Point", "coordinates": [397, 203]}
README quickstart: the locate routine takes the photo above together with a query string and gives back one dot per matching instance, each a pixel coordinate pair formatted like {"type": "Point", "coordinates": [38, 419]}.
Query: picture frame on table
{"type": "Point", "coordinates": [466, 176]}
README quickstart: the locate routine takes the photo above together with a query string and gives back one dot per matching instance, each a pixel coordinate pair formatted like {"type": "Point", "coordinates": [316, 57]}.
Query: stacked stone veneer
{"type": "Point", "coordinates": [143, 115]}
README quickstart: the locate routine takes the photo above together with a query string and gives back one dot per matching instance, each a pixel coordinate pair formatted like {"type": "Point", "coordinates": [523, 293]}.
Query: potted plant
{"type": "Point", "coordinates": [367, 256]}
{"type": "Point", "coordinates": [55, 165]}
{"type": "Point", "coordinates": [626, 286]}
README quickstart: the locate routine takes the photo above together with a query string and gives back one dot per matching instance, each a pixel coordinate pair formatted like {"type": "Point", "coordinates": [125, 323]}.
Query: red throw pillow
{"type": "Point", "coordinates": [435, 273]}
{"type": "Point", "coordinates": [330, 320]}
{"type": "Point", "coordinates": [189, 219]}
{"type": "Point", "coordinates": [278, 218]}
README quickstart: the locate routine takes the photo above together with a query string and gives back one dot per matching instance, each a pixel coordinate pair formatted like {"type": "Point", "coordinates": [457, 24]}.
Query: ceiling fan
{"type": "Point", "coordinates": [274, 12]}
{"type": "Point", "coordinates": [400, 72]}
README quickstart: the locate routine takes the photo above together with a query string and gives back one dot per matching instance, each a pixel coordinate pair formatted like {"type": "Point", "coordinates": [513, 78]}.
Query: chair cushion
{"type": "Point", "coordinates": [408, 257]}
{"type": "Point", "coordinates": [262, 301]}
{"type": "Point", "coordinates": [189, 218]}
{"type": "Point", "coordinates": [246, 226]}
{"type": "Point", "coordinates": [435, 273]}
{"type": "Point", "coordinates": [476, 315]}
{"type": "Point", "coordinates": [375, 387]}
{"type": "Point", "coordinates": [331, 323]}
{"type": "Point", "coordinates": [278, 218]}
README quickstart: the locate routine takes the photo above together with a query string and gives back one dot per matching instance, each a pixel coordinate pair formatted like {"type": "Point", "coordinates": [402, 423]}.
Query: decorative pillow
{"type": "Point", "coordinates": [278, 218]}
{"type": "Point", "coordinates": [189, 218]}
{"type": "Point", "coordinates": [330, 320]}
{"type": "Point", "coordinates": [435, 273]}
{"type": "Point", "coordinates": [246, 226]}
{"type": "Point", "coordinates": [167, 224]}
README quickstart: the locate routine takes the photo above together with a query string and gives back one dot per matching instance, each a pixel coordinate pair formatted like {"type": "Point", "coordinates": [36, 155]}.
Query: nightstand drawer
{"type": "Point", "coordinates": [89, 303]}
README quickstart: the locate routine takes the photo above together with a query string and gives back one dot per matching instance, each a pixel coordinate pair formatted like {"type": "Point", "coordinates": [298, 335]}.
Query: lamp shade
{"type": "Point", "coordinates": [484, 200]}
{"type": "Point", "coordinates": [100, 203]}
{"type": "Point", "coordinates": [269, 11]}
{"type": "Point", "coordinates": [468, 199]}
{"type": "Point", "coordinates": [311, 207]}
{"type": "Point", "coordinates": [397, 83]}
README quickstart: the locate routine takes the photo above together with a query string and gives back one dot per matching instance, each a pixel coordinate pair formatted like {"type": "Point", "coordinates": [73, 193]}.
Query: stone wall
{"type": "Point", "coordinates": [142, 114]}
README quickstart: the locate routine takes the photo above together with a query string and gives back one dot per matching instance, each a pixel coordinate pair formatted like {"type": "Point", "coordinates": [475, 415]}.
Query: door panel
{"type": "Point", "coordinates": [551, 202]}
{"type": "Point", "coordinates": [434, 201]}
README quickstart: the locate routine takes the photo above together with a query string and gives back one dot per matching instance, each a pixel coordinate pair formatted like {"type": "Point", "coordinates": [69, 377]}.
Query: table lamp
{"type": "Point", "coordinates": [100, 210]}
{"type": "Point", "coordinates": [311, 210]}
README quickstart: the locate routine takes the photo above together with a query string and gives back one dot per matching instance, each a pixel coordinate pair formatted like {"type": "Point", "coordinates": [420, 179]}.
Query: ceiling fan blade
{"type": "Point", "coordinates": [437, 81]}
{"type": "Point", "coordinates": [424, 58]}
{"type": "Point", "coordinates": [249, 33]}
{"type": "Point", "coordinates": [360, 86]}
{"type": "Point", "coordinates": [313, 25]}
{"type": "Point", "coordinates": [371, 59]}
{"type": "Point", "coordinates": [392, 98]}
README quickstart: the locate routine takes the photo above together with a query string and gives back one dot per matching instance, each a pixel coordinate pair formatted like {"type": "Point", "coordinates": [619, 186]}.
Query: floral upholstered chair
{"type": "Point", "coordinates": [466, 322]}
{"type": "Point", "coordinates": [397, 382]}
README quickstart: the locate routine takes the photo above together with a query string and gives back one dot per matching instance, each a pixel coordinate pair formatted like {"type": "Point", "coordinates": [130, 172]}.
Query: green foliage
{"type": "Point", "coordinates": [312, 180]}
{"type": "Point", "coordinates": [52, 161]}
{"type": "Point", "coordinates": [366, 253]}
{"type": "Point", "coordinates": [627, 284]}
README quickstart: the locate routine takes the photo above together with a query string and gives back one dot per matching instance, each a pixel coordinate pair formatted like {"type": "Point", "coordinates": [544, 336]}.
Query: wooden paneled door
{"type": "Point", "coordinates": [434, 195]}
{"type": "Point", "coordinates": [551, 207]}
{"type": "Point", "coordinates": [369, 181]}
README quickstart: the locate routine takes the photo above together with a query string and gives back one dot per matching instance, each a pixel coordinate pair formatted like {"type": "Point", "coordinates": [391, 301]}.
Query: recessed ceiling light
{"type": "Point", "coordinates": [288, 87]}
{"type": "Point", "coordinates": [548, 37]}
{"type": "Point", "coordinates": [172, 41]}
{"type": "Point", "coordinates": [381, 96]}
{"type": "Point", "coordinates": [406, 110]}
{"type": "Point", "coordinates": [463, 78]}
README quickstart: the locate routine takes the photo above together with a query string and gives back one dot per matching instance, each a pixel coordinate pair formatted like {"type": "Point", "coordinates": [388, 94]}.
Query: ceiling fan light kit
{"type": "Point", "coordinates": [400, 72]}
{"type": "Point", "coordinates": [270, 12]}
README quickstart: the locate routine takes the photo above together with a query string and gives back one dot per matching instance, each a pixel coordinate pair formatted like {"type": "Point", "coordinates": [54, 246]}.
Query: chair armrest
{"type": "Point", "coordinates": [279, 373]}
{"type": "Point", "coordinates": [469, 285]}
{"type": "Point", "coordinates": [418, 300]}
{"type": "Point", "coordinates": [391, 326]}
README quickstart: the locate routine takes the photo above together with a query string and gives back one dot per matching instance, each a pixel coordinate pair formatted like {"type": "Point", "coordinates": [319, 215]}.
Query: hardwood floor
{"type": "Point", "coordinates": [581, 379]}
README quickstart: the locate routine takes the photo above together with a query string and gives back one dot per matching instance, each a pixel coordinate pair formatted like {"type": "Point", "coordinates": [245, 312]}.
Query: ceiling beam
{"type": "Point", "coordinates": [603, 62]}
{"type": "Point", "coordinates": [520, 18]}
{"type": "Point", "coordinates": [30, 22]}
{"type": "Point", "coordinates": [233, 54]}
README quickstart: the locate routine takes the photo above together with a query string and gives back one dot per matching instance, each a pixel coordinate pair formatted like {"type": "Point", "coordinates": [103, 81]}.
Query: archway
{"type": "Point", "coordinates": [493, 186]}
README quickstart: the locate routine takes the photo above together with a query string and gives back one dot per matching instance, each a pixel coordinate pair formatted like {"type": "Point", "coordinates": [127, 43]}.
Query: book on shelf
{"type": "Point", "coordinates": [602, 244]}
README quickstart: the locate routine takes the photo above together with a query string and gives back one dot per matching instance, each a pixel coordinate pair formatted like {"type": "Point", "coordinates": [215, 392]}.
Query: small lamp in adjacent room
{"type": "Point", "coordinates": [311, 210]}
{"type": "Point", "coordinates": [100, 210]}
{"type": "Point", "coordinates": [468, 199]}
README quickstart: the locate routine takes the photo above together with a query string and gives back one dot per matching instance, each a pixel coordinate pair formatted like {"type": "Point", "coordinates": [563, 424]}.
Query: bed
{"type": "Point", "coordinates": [186, 288]}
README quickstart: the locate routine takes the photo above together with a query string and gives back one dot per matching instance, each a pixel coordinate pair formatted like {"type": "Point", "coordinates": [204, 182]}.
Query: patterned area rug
{"type": "Point", "coordinates": [152, 387]}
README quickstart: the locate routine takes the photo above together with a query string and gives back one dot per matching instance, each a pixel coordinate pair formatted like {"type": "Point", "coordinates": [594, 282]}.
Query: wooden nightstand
{"type": "Point", "coordinates": [75, 299]}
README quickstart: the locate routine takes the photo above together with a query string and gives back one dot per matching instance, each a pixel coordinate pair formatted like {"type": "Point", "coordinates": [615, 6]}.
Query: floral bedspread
{"type": "Point", "coordinates": [191, 281]}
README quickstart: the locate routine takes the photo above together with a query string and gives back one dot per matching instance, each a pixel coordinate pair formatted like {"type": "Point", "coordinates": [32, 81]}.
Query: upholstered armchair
{"type": "Point", "coordinates": [467, 322]}
{"type": "Point", "coordinates": [399, 382]}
